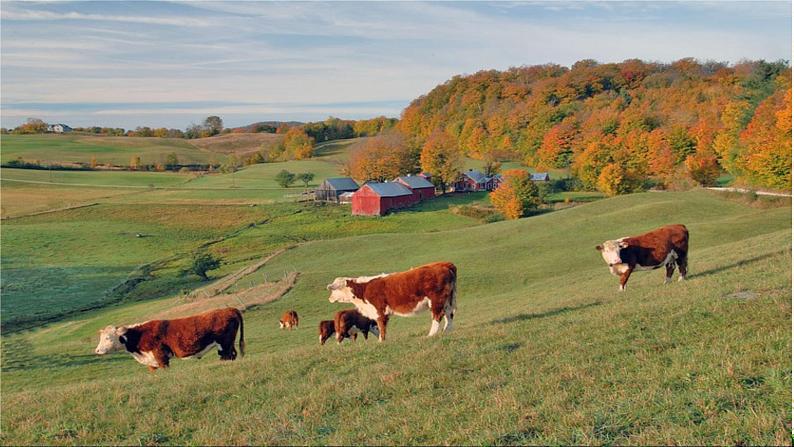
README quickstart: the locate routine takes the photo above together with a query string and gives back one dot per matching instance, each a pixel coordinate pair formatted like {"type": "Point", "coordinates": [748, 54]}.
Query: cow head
{"type": "Point", "coordinates": [610, 251]}
{"type": "Point", "coordinates": [111, 339]}
{"type": "Point", "coordinates": [341, 291]}
{"type": "Point", "coordinates": [373, 328]}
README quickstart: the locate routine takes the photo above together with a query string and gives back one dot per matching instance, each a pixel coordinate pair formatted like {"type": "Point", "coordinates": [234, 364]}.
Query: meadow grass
{"type": "Point", "coordinates": [545, 349]}
{"type": "Point", "coordinates": [113, 150]}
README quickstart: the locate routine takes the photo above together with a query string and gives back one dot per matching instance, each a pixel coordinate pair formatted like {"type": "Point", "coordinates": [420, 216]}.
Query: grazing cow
{"type": "Point", "coordinates": [326, 330]}
{"type": "Point", "coordinates": [289, 320]}
{"type": "Point", "coordinates": [430, 286]}
{"type": "Point", "coordinates": [666, 246]}
{"type": "Point", "coordinates": [154, 342]}
{"type": "Point", "coordinates": [348, 323]}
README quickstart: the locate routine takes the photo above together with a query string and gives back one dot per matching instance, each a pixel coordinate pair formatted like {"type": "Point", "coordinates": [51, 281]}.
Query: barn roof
{"type": "Point", "coordinates": [415, 181]}
{"type": "Point", "coordinates": [342, 183]}
{"type": "Point", "coordinates": [391, 189]}
{"type": "Point", "coordinates": [539, 176]}
{"type": "Point", "coordinates": [475, 175]}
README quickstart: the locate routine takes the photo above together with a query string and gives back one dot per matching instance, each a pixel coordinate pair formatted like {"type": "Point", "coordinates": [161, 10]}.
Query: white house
{"type": "Point", "coordinates": [58, 128]}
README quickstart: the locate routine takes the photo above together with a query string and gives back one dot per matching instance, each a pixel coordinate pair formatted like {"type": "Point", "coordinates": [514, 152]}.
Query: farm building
{"type": "Point", "coordinates": [539, 177]}
{"type": "Point", "coordinates": [332, 188]}
{"type": "Point", "coordinates": [376, 199]}
{"type": "Point", "coordinates": [58, 128]}
{"type": "Point", "coordinates": [422, 188]}
{"type": "Point", "coordinates": [473, 180]}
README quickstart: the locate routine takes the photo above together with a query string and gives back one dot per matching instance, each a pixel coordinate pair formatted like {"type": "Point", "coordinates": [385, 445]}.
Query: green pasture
{"type": "Point", "coordinates": [545, 349]}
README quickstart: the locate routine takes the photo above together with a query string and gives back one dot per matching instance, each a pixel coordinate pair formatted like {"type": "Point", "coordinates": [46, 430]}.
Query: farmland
{"type": "Point", "coordinates": [545, 349]}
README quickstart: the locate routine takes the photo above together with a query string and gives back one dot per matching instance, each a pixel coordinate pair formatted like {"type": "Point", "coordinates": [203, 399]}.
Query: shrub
{"type": "Point", "coordinates": [285, 178]}
{"type": "Point", "coordinates": [204, 263]}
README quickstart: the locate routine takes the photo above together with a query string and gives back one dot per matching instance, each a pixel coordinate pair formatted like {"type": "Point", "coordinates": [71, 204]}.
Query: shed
{"type": "Point", "coordinates": [422, 188]}
{"type": "Point", "coordinates": [539, 177]}
{"type": "Point", "coordinates": [376, 199]}
{"type": "Point", "coordinates": [332, 188]}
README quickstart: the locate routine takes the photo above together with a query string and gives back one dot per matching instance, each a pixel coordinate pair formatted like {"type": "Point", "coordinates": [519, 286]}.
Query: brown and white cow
{"type": "Point", "coordinates": [289, 320]}
{"type": "Point", "coordinates": [154, 342]}
{"type": "Point", "coordinates": [666, 246]}
{"type": "Point", "coordinates": [326, 330]}
{"type": "Point", "coordinates": [348, 323]}
{"type": "Point", "coordinates": [431, 286]}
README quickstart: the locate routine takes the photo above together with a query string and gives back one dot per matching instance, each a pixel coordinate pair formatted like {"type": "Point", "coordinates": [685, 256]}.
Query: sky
{"type": "Point", "coordinates": [170, 64]}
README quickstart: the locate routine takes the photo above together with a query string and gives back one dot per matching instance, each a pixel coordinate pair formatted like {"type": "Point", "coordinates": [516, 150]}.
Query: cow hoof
{"type": "Point", "coordinates": [681, 278]}
{"type": "Point", "coordinates": [621, 288]}
{"type": "Point", "coordinates": [668, 280]}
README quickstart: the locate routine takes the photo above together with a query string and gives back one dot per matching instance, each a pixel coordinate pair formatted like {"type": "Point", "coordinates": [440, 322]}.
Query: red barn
{"type": "Point", "coordinates": [422, 188]}
{"type": "Point", "coordinates": [376, 199]}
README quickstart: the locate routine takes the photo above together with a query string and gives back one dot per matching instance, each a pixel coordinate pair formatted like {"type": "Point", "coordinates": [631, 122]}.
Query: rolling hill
{"type": "Point", "coordinates": [545, 350]}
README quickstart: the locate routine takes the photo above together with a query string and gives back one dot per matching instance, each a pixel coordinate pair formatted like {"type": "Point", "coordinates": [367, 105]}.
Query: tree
{"type": "Point", "coordinates": [297, 144]}
{"type": "Point", "coordinates": [171, 161]}
{"type": "Point", "coordinates": [32, 125]}
{"type": "Point", "coordinates": [213, 125]}
{"type": "Point", "coordinates": [193, 131]}
{"type": "Point", "coordinates": [135, 162]}
{"type": "Point", "coordinates": [766, 151]}
{"type": "Point", "coordinates": [517, 195]}
{"type": "Point", "coordinates": [703, 168]}
{"type": "Point", "coordinates": [380, 158]}
{"type": "Point", "coordinates": [615, 179]}
{"type": "Point", "coordinates": [204, 263]}
{"type": "Point", "coordinates": [93, 163]}
{"type": "Point", "coordinates": [306, 177]}
{"type": "Point", "coordinates": [441, 158]}
{"type": "Point", "coordinates": [285, 178]}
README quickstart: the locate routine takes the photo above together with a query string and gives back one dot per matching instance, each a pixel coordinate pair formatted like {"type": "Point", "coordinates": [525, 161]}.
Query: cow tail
{"type": "Point", "coordinates": [453, 302]}
{"type": "Point", "coordinates": [242, 337]}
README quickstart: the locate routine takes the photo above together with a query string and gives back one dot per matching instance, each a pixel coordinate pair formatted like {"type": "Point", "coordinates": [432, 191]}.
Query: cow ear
{"type": "Point", "coordinates": [123, 340]}
{"type": "Point", "coordinates": [599, 247]}
{"type": "Point", "coordinates": [350, 283]}
{"type": "Point", "coordinates": [623, 244]}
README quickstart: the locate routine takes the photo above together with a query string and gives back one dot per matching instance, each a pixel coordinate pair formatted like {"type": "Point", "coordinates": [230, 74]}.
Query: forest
{"type": "Point", "coordinates": [620, 127]}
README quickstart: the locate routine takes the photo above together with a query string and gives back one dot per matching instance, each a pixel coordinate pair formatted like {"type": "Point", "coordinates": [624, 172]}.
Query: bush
{"type": "Point", "coordinates": [285, 178]}
{"type": "Point", "coordinates": [480, 213]}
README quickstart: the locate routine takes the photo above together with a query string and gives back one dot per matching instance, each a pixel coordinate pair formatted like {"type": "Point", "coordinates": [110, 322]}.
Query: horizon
{"type": "Point", "coordinates": [105, 64]}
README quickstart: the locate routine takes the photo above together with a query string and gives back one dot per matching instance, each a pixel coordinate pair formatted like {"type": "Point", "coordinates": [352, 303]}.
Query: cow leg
{"type": "Point", "coordinates": [447, 320]}
{"type": "Point", "coordinates": [355, 336]}
{"type": "Point", "coordinates": [339, 337]}
{"type": "Point", "coordinates": [382, 321]}
{"type": "Point", "coordinates": [682, 264]}
{"type": "Point", "coordinates": [670, 266]}
{"type": "Point", "coordinates": [624, 278]}
{"type": "Point", "coordinates": [162, 358]}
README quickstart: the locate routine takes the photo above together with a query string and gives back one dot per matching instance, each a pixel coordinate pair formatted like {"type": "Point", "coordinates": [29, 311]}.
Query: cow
{"type": "Point", "coordinates": [326, 330]}
{"type": "Point", "coordinates": [289, 320]}
{"type": "Point", "coordinates": [666, 246]}
{"type": "Point", "coordinates": [348, 323]}
{"type": "Point", "coordinates": [378, 297]}
{"type": "Point", "coordinates": [154, 342]}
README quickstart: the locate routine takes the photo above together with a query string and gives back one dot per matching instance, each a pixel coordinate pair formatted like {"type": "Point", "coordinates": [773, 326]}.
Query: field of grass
{"type": "Point", "coordinates": [236, 143]}
{"type": "Point", "coordinates": [545, 349]}
{"type": "Point", "coordinates": [113, 150]}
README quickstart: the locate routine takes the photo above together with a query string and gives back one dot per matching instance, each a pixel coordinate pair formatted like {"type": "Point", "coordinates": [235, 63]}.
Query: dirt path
{"type": "Point", "coordinates": [760, 193]}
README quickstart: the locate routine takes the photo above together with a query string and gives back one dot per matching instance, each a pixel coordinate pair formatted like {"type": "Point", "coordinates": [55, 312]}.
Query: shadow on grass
{"type": "Point", "coordinates": [442, 202]}
{"type": "Point", "coordinates": [737, 264]}
{"type": "Point", "coordinates": [548, 313]}
{"type": "Point", "coordinates": [61, 361]}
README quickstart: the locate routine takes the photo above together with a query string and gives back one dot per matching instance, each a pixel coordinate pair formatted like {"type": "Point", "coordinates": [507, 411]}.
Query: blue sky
{"type": "Point", "coordinates": [127, 64]}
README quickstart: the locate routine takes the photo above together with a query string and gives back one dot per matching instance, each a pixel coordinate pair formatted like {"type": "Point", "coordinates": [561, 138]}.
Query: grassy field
{"type": "Point", "coordinates": [114, 150]}
{"type": "Point", "coordinates": [545, 350]}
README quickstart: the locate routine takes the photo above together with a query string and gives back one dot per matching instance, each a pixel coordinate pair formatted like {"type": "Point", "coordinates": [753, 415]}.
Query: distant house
{"type": "Point", "coordinates": [346, 197]}
{"type": "Point", "coordinates": [376, 199]}
{"type": "Point", "coordinates": [58, 128]}
{"type": "Point", "coordinates": [332, 188]}
{"type": "Point", "coordinates": [421, 188]}
{"type": "Point", "coordinates": [474, 180]}
{"type": "Point", "coordinates": [539, 177]}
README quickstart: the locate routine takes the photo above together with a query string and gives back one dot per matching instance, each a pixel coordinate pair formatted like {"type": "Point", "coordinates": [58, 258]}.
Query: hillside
{"type": "Point", "coordinates": [240, 144]}
{"type": "Point", "coordinates": [684, 121]}
{"type": "Point", "coordinates": [545, 349]}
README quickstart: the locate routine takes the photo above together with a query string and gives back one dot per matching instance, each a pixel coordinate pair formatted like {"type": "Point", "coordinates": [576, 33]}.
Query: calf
{"type": "Point", "coordinates": [348, 323]}
{"type": "Point", "coordinates": [430, 286]}
{"type": "Point", "coordinates": [326, 330]}
{"type": "Point", "coordinates": [666, 246]}
{"type": "Point", "coordinates": [289, 320]}
{"type": "Point", "coordinates": [154, 342]}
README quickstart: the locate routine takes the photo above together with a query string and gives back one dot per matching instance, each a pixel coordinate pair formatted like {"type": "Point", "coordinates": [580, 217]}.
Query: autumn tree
{"type": "Point", "coordinates": [441, 158]}
{"type": "Point", "coordinates": [766, 152]}
{"type": "Point", "coordinates": [614, 179]}
{"type": "Point", "coordinates": [703, 168]}
{"type": "Point", "coordinates": [380, 158]}
{"type": "Point", "coordinates": [31, 126]}
{"type": "Point", "coordinates": [171, 161]}
{"type": "Point", "coordinates": [517, 195]}
{"type": "Point", "coordinates": [135, 162]}
{"type": "Point", "coordinates": [297, 144]}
